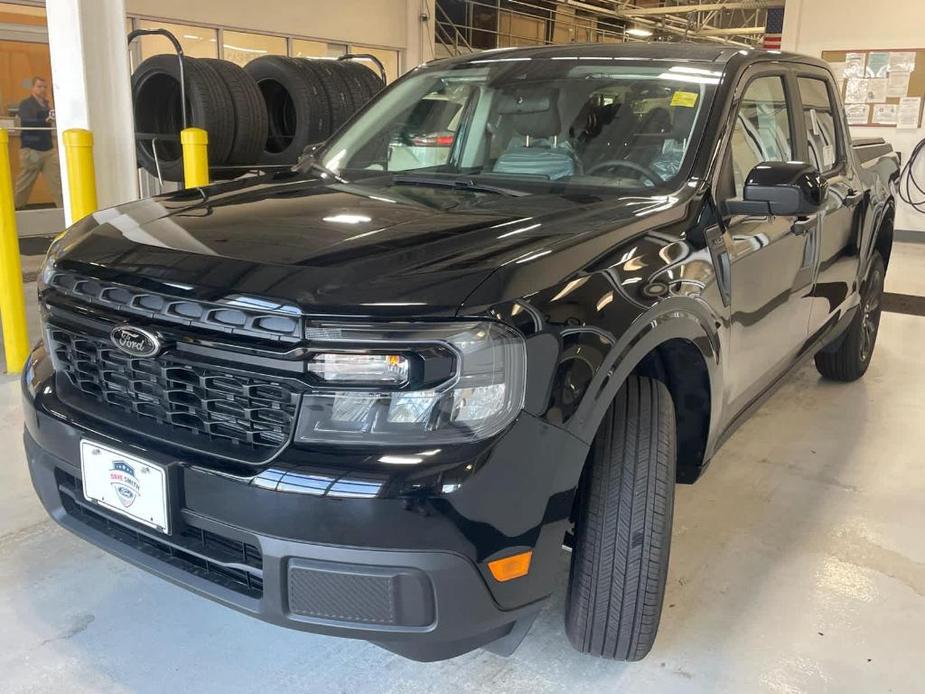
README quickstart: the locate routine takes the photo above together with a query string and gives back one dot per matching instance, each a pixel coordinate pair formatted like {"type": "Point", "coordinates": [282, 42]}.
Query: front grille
{"type": "Point", "coordinates": [235, 565]}
{"type": "Point", "coordinates": [250, 415]}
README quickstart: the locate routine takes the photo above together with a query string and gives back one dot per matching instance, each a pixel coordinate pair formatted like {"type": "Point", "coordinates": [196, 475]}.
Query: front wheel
{"type": "Point", "coordinates": [850, 361]}
{"type": "Point", "coordinates": [623, 526]}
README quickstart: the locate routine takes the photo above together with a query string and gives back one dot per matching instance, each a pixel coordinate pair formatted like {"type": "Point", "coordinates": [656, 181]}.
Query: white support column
{"type": "Point", "coordinates": [91, 89]}
{"type": "Point", "coordinates": [419, 44]}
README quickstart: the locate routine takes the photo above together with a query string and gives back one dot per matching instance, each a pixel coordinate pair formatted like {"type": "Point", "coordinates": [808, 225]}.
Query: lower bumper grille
{"type": "Point", "coordinates": [250, 414]}
{"type": "Point", "coordinates": [235, 565]}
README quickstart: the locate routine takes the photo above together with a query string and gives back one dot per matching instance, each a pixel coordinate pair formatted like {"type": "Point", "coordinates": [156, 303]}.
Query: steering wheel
{"type": "Point", "coordinates": [626, 164]}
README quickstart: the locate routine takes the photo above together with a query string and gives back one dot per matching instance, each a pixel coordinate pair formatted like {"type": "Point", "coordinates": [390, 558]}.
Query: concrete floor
{"type": "Point", "coordinates": [907, 269]}
{"type": "Point", "coordinates": [798, 566]}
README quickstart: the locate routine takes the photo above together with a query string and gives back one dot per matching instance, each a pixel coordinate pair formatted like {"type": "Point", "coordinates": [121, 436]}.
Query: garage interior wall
{"type": "Point", "coordinates": [813, 26]}
{"type": "Point", "coordinates": [384, 23]}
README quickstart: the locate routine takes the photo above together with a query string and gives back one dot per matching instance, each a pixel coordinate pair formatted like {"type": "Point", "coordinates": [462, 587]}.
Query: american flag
{"type": "Point", "coordinates": [774, 28]}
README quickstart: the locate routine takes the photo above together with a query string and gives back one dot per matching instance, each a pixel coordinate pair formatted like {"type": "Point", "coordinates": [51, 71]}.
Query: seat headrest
{"type": "Point", "coordinates": [534, 112]}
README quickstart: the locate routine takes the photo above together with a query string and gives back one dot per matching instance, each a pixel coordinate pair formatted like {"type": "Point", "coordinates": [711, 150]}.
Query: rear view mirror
{"type": "Point", "coordinates": [782, 188]}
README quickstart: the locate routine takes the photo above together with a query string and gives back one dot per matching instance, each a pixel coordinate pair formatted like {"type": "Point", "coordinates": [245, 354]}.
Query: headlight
{"type": "Point", "coordinates": [411, 384]}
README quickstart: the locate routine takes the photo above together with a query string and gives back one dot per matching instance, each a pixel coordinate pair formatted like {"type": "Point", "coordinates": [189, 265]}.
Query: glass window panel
{"type": "Point", "coordinates": [303, 48]}
{"type": "Point", "coordinates": [241, 48]}
{"type": "Point", "coordinates": [824, 146]}
{"type": "Point", "coordinates": [762, 128]}
{"type": "Point", "coordinates": [306, 48]}
{"type": "Point", "coordinates": [814, 94]}
{"type": "Point", "coordinates": [197, 42]}
{"type": "Point", "coordinates": [388, 58]}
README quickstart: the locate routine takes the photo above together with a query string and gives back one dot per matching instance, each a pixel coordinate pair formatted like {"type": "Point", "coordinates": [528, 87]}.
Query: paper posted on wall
{"type": "Point", "coordinates": [854, 64]}
{"type": "Point", "coordinates": [885, 114]}
{"type": "Point", "coordinates": [876, 90]}
{"type": "Point", "coordinates": [909, 113]}
{"type": "Point", "coordinates": [855, 90]}
{"type": "Point", "coordinates": [858, 114]}
{"type": "Point", "coordinates": [878, 64]}
{"type": "Point", "coordinates": [897, 84]}
{"type": "Point", "coordinates": [902, 61]}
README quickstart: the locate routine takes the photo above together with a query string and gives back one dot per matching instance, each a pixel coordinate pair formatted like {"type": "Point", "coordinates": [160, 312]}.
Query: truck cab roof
{"type": "Point", "coordinates": [655, 51]}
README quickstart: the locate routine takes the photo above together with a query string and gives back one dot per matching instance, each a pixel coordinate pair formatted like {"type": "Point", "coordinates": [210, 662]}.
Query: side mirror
{"type": "Point", "coordinates": [782, 188]}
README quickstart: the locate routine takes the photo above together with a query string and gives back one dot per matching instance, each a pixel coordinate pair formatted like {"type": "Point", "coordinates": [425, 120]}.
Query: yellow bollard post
{"type": "Point", "coordinates": [81, 177]}
{"type": "Point", "coordinates": [195, 143]}
{"type": "Point", "coordinates": [12, 298]}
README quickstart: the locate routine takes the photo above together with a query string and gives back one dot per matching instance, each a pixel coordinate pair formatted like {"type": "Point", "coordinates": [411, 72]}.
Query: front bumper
{"type": "Point", "coordinates": [407, 572]}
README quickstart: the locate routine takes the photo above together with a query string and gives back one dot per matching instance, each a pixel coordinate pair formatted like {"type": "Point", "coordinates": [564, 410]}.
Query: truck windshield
{"type": "Point", "coordinates": [527, 122]}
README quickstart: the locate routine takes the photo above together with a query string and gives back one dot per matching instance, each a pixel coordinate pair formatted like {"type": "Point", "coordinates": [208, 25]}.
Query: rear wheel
{"type": "Point", "coordinates": [852, 357]}
{"type": "Point", "coordinates": [623, 526]}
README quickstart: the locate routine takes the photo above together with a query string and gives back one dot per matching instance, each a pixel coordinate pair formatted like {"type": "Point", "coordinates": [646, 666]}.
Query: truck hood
{"type": "Point", "coordinates": [344, 249]}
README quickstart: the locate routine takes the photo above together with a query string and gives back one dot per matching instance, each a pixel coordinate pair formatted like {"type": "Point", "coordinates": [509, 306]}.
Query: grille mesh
{"type": "Point", "coordinates": [249, 412]}
{"type": "Point", "coordinates": [221, 560]}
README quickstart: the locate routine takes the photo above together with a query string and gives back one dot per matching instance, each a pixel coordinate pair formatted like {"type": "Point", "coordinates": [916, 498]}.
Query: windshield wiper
{"type": "Point", "coordinates": [458, 183]}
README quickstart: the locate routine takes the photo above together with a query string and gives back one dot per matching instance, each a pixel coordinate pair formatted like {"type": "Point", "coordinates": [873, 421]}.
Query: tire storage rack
{"type": "Point", "coordinates": [258, 117]}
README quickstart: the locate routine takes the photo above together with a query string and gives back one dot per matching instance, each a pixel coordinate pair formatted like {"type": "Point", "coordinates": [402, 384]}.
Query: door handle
{"type": "Point", "coordinates": [853, 197]}
{"type": "Point", "coordinates": [802, 225]}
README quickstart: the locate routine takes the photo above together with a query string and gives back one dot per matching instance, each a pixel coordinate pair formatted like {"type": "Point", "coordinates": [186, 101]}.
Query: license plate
{"type": "Point", "coordinates": [125, 484]}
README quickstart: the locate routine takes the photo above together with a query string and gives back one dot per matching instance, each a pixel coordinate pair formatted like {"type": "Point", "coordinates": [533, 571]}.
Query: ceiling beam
{"type": "Point", "coordinates": [731, 31]}
{"type": "Point", "coordinates": [703, 7]}
{"type": "Point", "coordinates": [654, 23]}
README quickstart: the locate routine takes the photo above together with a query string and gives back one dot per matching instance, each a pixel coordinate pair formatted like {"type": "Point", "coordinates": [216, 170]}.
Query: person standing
{"type": "Point", "coordinates": [37, 153]}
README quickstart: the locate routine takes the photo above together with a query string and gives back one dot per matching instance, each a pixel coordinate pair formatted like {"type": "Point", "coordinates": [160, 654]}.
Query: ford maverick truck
{"type": "Point", "coordinates": [498, 316]}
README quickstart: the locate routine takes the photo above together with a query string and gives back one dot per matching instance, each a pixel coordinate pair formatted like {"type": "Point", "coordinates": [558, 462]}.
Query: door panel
{"type": "Point", "coordinates": [822, 144]}
{"type": "Point", "coordinates": [772, 258]}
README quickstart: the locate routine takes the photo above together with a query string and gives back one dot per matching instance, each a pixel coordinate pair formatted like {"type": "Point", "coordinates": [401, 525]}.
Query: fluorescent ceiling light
{"type": "Point", "coordinates": [642, 33]}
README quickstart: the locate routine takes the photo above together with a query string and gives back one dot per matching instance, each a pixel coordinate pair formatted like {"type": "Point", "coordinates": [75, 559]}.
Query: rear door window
{"type": "Point", "coordinates": [819, 116]}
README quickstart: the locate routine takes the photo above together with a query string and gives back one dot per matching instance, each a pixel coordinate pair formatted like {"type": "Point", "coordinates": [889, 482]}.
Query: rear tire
{"type": "Point", "coordinates": [623, 529]}
{"type": "Point", "coordinates": [850, 361]}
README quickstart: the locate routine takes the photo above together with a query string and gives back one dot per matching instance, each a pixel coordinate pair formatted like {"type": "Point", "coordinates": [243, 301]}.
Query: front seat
{"type": "Point", "coordinates": [534, 114]}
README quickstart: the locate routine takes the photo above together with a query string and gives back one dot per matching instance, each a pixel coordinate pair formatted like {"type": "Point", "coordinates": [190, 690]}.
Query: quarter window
{"type": "Point", "coordinates": [819, 115]}
{"type": "Point", "coordinates": [762, 129]}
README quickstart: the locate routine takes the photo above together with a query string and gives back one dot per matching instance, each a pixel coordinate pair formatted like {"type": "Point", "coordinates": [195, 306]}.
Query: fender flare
{"type": "Point", "coordinates": [677, 318]}
{"type": "Point", "coordinates": [882, 211]}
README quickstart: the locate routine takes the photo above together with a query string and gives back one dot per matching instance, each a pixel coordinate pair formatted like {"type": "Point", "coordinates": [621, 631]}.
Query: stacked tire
{"type": "Point", "coordinates": [307, 100]}
{"type": "Point", "coordinates": [265, 113]}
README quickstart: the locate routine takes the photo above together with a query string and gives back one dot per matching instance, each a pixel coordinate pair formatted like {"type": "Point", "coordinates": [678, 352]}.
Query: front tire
{"type": "Point", "coordinates": [623, 527]}
{"type": "Point", "coordinates": [850, 361]}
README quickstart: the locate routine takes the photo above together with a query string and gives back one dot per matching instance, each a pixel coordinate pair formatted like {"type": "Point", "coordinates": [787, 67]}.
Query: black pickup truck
{"type": "Point", "coordinates": [501, 312]}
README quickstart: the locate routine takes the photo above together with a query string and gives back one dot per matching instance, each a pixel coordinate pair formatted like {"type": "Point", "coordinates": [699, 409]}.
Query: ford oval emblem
{"type": "Point", "coordinates": [135, 341]}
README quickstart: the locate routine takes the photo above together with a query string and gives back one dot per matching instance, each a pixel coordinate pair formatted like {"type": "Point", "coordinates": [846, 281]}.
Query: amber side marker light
{"type": "Point", "coordinates": [511, 567]}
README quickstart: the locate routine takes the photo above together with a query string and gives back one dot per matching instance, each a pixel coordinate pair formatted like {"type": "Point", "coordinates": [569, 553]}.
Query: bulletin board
{"type": "Point", "coordinates": [881, 88]}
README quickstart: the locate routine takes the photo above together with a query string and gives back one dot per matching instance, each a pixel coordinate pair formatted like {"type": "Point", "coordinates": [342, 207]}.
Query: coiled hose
{"type": "Point", "coordinates": [910, 188]}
